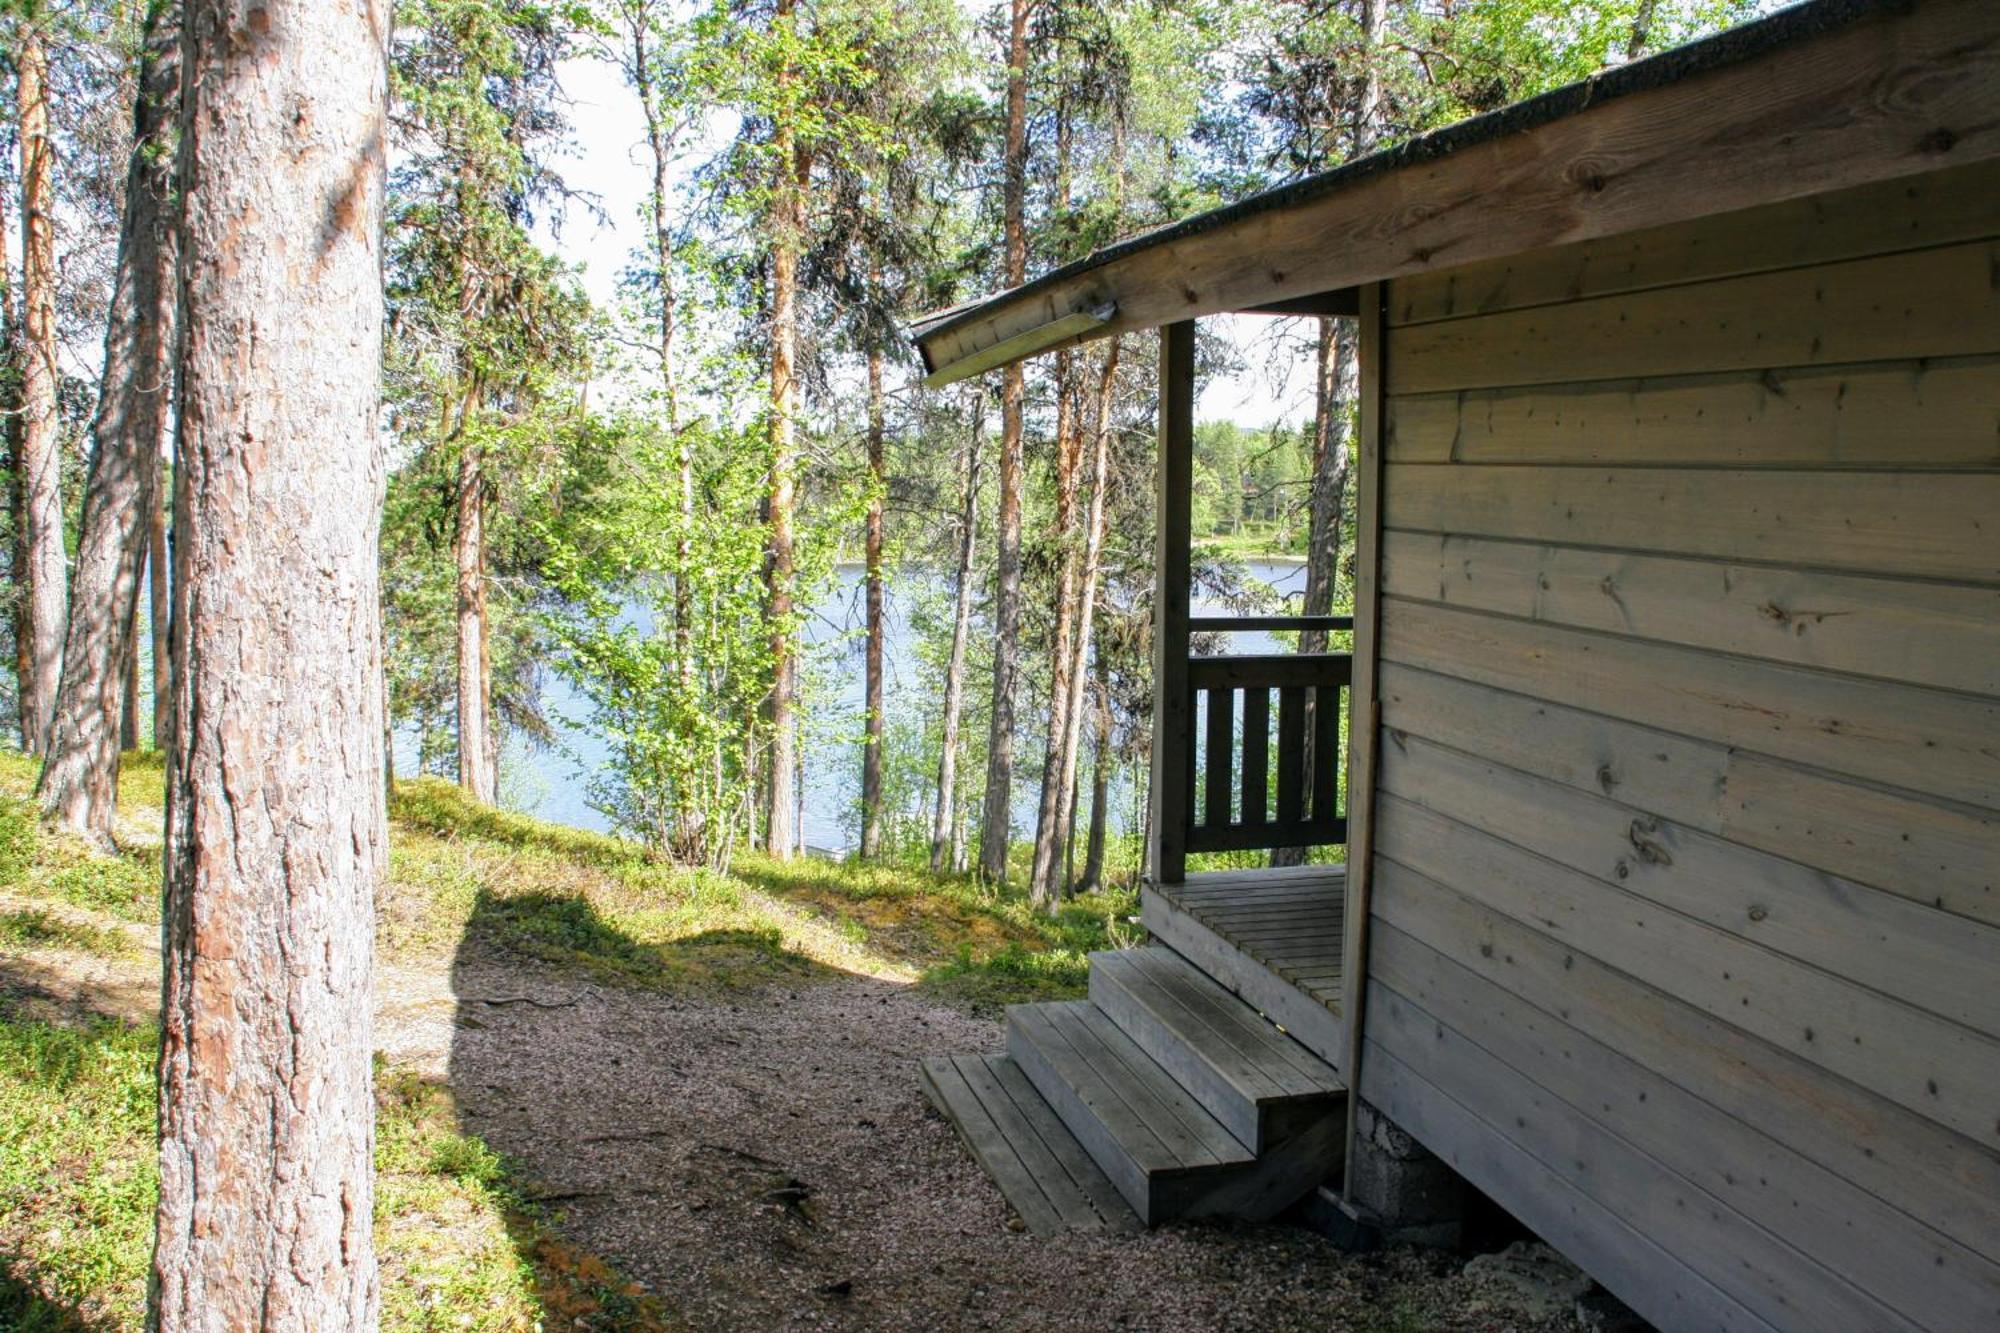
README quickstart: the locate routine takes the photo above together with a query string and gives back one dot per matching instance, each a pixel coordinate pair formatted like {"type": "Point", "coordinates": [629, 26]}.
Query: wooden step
{"type": "Point", "coordinates": [1021, 1143]}
{"type": "Point", "coordinates": [1166, 1154]}
{"type": "Point", "coordinates": [1259, 1083]}
{"type": "Point", "coordinates": [1269, 936]}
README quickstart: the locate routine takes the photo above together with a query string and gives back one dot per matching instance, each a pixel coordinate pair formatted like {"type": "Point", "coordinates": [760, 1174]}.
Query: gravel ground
{"type": "Point", "coordinates": [768, 1162]}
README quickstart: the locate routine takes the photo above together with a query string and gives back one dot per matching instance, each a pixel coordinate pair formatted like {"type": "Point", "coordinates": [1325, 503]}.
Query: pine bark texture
{"type": "Point", "coordinates": [996, 823]}
{"type": "Point", "coordinates": [276, 828]}
{"type": "Point", "coordinates": [944, 823]}
{"type": "Point", "coordinates": [47, 582]}
{"type": "Point", "coordinates": [159, 591]}
{"type": "Point", "coordinates": [97, 704]}
{"type": "Point", "coordinates": [17, 506]}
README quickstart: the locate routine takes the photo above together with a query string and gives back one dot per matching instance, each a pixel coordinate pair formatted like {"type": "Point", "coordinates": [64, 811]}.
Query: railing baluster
{"type": "Point", "coordinates": [1325, 754]}
{"type": "Point", "coordinates": [1291, 754]}
{"type": "Point", "coordinates": [1256, 754]}
{"type": "Point", "coordinates": [1221, 744]}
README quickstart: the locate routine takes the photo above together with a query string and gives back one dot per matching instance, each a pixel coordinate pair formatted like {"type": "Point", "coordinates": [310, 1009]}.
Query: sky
{"type": "Point", "coordinates": [608, 164]}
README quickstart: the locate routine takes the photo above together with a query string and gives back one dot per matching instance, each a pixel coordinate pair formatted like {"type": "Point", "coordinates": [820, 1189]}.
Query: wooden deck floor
{"type": "Point", "coordinates": [1286, 924]}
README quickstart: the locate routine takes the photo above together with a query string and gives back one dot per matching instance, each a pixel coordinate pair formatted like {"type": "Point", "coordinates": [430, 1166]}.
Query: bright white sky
{"type": "Point", "coordinates": [608, 163]}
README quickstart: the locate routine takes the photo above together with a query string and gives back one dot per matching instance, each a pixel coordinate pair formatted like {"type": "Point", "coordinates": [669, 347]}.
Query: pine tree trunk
{"type": "Point", "coordinates": [41, 447]}
{"type": "Point", "coordinates": [1093, 554]}
{"type": "Point", "coordinates": [276, 831]}
{"type": "Point", "coordinates": [1092, 878]}
{"type": "Point", "coordinates": [1045, 867]}
{"type": "Point", "coordinates": [159, 588]}
{"type": "Point", "coordinates": [871, 746]}
{"type": "Point", "coordinates": [944, 824]}
{"type": "Point", "coordinates": [17, 495]}
{"type": "Point", "coordinates": [786, 237]}
{"type": "Point", "coordinates": [97, 704]}
{"type": "Point", "coordinates": [996, 824]}
{"type": "Point", "coordinates": [475, 766]}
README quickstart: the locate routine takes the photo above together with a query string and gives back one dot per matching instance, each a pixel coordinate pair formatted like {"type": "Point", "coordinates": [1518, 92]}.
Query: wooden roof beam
{"type": "Point", "coordinates": [1893, 92]}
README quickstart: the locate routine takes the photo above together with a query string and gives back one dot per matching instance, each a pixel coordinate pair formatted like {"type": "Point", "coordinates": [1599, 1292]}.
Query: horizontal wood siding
{"type": "Point", "coordinates": [1685, 920]}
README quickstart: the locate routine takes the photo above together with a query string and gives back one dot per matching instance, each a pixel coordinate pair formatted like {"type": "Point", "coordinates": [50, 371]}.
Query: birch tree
{"type": "Point", "coordinates": [276, 828]}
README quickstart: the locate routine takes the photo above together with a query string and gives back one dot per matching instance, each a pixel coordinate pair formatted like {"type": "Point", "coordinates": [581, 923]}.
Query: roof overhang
{"type": "Point", "coordinates": [1818, 97]}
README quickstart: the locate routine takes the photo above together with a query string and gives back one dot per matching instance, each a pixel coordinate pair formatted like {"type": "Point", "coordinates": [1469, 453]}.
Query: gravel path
{"type": "Point", "coordinates": [767, 1161]}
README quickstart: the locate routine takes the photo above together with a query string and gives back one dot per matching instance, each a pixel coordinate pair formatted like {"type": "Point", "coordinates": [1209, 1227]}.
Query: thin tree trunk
{"type": "Point", "coordinates": [10, 436]}
{"type": "Point", "coordinates": [944, 826]}
{"type": "Point", "coordinates": [128, 703]}
{"type": "Point", "coordinates": [1093, 552]}
{"type": "Point", "coordinates": [475, 766]}
{"type": "Point", "coordinates": [1045, 867]}
{"type": "Point", "coordinates": [786, 236]}
{"type": "Point", "coordinates": [97, 704]}
{"type": "Point", "coordinates": [872, 702]}
{"type": "Point", "coordinates": [276, 832]}
{"type": "Point", "coordinates": [1092, 878]}
{"type": "Point", "coordinates": [41, 448]}
{"type": "Point", "coordinates": [996, 824]}
{"type": "Point", "coordinates": [159, 587]}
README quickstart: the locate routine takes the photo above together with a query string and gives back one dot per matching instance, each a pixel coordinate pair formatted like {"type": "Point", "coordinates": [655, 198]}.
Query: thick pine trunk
{"type": "Point", "coordinates": [97, 709]}
{"type": "Point", "coordinates": [276, 830]}
{"type": "Point", "coordinates": [47, 583]}
{"type": "Point", "coordinates": [996, 823]}
{"type": "Point", "coordinates": [786, 229]}
{"type": "Point", "coordinates": [944, 823]}
{"type": "Point", "coordinates": [475, 723]}
{"type": "Point", "coordinates": [17, 496]}
{"type": "Point", "coordinates": [871, 746]}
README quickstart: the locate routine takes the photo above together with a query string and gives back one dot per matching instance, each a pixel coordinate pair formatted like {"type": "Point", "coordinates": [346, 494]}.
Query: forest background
{"type": "Point", "coordinates": [649, 269]}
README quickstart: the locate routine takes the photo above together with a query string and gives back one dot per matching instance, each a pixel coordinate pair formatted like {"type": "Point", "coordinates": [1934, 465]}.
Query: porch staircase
{"type": "Point", "coordinates": [1162, 1096]}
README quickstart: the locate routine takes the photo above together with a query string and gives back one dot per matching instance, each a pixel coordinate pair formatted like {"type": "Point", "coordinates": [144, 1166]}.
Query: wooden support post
{"type": "Point", "coordinates": [1173, 723]}
{"type": "Point", "coordinates": [1363, 726]}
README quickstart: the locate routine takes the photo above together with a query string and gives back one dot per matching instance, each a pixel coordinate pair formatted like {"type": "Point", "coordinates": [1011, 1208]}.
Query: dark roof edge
{"type": "Point", "coordinates": [1731, 46]}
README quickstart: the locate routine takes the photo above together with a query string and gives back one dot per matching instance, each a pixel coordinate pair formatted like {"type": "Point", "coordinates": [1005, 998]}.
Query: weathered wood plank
{"type": "Point", "coordinates": [1315, 1025]}
{"type": "Point", "coordinates": [1942, 635]}
{"type": "Point", "coordinates": [1908, 1161]}
{"type": "Point", "coordinates": [1363, 698]}
{"type": "Point", "coordinates": [1856, 105]}
{"type": "Point", "coordinates": [1902, 414]}
{"type": "Point", "coordinates": [1742, 1259]}
{"type": "Point", "coordinates": [1172, 794]}
{"type": "Point", "coordinates": [1928, 959]}
{"type": "Point", "coordinates": [1920, 303]}
{"type": "Point", "coordinates": [1083, 1197]}
{"type": "Point", "coordinates": [1926, 524]}
{"type": "Point", "coordinates": [1934, 1067]}
{"type": "Point", "coordinates": [1256, 755]}
{"type": "Point", "coordinates": [1944, 207]}
{"type": "Point", "coordinates": [945, 1081]}
{"type": "Point", "coordinates": [1216, 761]}
{"type": "Point", "coordinates": [1641, 1272]}
{"type": "Point", "coordinates": [1914, 1268]}
{"type": "Point", "coordinates": [1925, 741]}
{"type": "Point", "coordinates": [1924, 849]}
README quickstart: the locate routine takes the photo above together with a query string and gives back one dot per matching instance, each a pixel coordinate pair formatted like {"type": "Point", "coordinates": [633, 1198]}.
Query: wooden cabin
{"type": "Point", "coordinates": [1670, 917]}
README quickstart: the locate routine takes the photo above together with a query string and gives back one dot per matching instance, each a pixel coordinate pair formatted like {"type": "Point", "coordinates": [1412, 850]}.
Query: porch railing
{"type": "Point", "coordinates": [1236, 762]}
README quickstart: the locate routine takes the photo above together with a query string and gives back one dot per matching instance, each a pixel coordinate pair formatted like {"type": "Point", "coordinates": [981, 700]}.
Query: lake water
{"type": "Point", "coordinates": [553, 784]}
